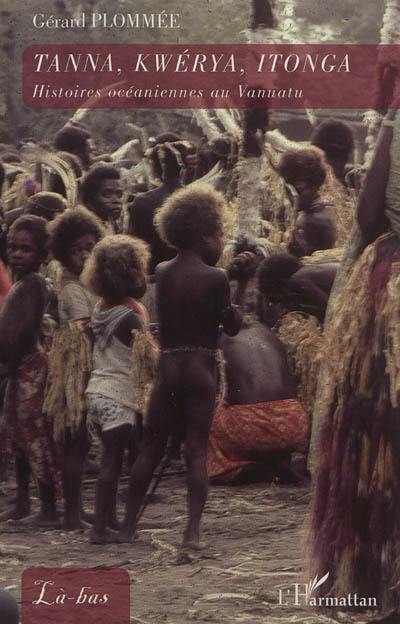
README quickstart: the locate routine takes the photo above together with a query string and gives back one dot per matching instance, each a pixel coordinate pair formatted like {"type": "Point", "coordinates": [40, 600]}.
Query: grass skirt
{"type": "Point", "coordinates": [355, 512]}
{"type": "Point", "coordinates": [70, 364]}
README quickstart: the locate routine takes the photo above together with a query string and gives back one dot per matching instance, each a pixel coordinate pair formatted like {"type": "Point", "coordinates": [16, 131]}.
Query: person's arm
{"type": "Point", "coordinates": [138, 219]}
{"type": "Point", "coordinates": [371, 203]}
{"type": "Point", "coordinates": [21, 317]}
{"type": "Point", "coordinates": [243, 268]}
{"type": "Point", "coordinates": [126, 326]}
{"type": "Point", "coordinates": [231, 317]}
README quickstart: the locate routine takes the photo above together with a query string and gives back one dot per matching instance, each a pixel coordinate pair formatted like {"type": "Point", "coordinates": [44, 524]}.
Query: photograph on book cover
{"type": "Point", "coordinates": [199, 424]}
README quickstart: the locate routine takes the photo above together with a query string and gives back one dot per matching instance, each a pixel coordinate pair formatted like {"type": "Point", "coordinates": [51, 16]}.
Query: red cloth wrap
{"type": "Point", "coordinates": [241, 432]}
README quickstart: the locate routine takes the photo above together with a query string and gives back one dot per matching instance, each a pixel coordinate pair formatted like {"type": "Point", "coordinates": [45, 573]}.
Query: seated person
{"type": "Point", "coordinates": [314, 228]}
{"type": "Point", "coordinates": [289, 285]}
{"type": "Point", "coordinates": [294, 301]}
{"type": "Point", "coordinates": [261, 423]}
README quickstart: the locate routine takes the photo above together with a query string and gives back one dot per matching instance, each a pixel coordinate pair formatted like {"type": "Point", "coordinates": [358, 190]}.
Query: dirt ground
{"type": "Point", "coordinates": [254, 548]}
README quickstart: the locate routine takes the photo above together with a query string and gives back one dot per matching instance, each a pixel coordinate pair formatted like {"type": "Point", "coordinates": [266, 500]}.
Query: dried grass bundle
{"type": "Point", "coordinates": [145, 358]}
{"type": "Point", "coordinates": [303, 340]}
{"type": "Point", "coordinates": [70, 365]}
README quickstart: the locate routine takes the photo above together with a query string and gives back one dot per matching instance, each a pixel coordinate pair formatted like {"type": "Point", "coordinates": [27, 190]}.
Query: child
{"type": "Point", "coordinates": [193, 301]}
{"type": "Point", "coordinates": [314, 229]}
{"type": "Point", "coordinates": [116, 273]}
{"type": "Point", "coordinates": [73, 234]}
{"type": "Point", "coordinates": [20, 325]}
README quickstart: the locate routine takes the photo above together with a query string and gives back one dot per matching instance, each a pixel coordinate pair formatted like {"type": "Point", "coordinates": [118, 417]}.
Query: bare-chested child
{"type": "Point", "coordinates": [193, 300]}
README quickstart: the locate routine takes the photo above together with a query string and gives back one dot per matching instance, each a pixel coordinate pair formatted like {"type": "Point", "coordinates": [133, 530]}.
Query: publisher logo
{"type": "Point", "coordinates": [305, 595]}
{"type": "Point", "coordinates": [71, 595]}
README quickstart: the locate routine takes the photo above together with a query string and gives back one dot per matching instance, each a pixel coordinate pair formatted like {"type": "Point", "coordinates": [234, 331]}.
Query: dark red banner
{"type": "Point", "coordinates": [71, 596]}
{"type": "Point", "coordinates": [210, 76]}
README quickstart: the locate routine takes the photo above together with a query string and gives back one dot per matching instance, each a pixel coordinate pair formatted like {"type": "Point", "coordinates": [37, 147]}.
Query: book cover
{"type": "Point", "coordinates": [245, 87]}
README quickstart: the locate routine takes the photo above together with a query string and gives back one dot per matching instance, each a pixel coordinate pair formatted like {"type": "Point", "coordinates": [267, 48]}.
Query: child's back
{"type": "Point", "coordinates": [192, 297]}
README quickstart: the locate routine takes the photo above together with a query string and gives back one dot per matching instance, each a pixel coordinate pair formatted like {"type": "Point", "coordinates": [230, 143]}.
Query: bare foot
{"type": "Point", "coordinates": [183, 557]}
{"type": "Point", "coordinates": [16, 513]}
{"type": "Point", "coordinates": [193, 545]}
{"type": "Point", "coordinates": [191, 540]}
{"type": "Point", "coordinates": [125, 537]}
{"type": "Point", "coordinates": [107, 537]}
{"type": "Point", "coordinates": [75, 524]}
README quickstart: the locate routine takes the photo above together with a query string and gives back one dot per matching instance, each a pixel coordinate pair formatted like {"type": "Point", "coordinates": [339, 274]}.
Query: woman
{"type": "Point", "coordinates": [355, 514]}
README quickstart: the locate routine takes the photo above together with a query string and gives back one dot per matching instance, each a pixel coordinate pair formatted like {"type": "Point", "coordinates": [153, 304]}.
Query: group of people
{"type": "Point", "coordinates": [133, 307]}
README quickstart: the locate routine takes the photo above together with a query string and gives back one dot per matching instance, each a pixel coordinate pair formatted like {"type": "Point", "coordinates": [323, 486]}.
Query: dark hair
{"type": "Point", "coordinates": [70, 225]}
{"type": "Point", "coordinates": [117, 267]}
{"type": "Point", "coordinates": [334, 137]}
{"type": "Point", "coordinates": [167, 137]}
{"type": "Point", "coordinates": [91, 181]}
{"type": "Point", "coordinates": [275, 270]}
{"type": "Point", "coordinates": [190, 215]}
{"type": "Point", "coordinates": [37, 227]}
{"type": "Point", "coordinates": [74, 140]}
{"type": "Point", "coordinates": [303, 164]}
{"type": "Point", "coordinates": [168, 159]}
{"type": "Point", "coordinates": [225, 147]}
{"type": "Point", "coordinates": [71, 139]}
{"type": "Point", "coordinates": [45, 204]}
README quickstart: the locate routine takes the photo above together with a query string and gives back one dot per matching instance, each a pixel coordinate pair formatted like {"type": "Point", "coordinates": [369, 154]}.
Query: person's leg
{"type": "Point", "coordinates": [48, 510]}
{"type": "Point", "coordinates": [22, 507]}
{"type": "Point", "coordinates": [199, 409]}
{"type": "Point", "coordinates": [112, 521]}
{"type": "Point", "coordinates": [75, 450]}
{"type": "Point", "coordinates": [160, 413]}
{"type": "Point", "coordinates": [114, 441]}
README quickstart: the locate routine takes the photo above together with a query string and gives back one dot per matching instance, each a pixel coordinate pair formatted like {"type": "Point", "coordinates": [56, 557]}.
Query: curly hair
{"type": "Point", "coordinates": [334, 137]}
{"type": "Point", "coordinates": [303, 164]}
{"type": "Point", "coordinates": [190, 215]}
{"type": "Point", "coordinates": [91, 181]}
{"type": "Point", "coordinates": [45, 204]}
{"type": "Point", "coordinates": [70, 225]}
{"type": "Point", "coordinates": [71, 138]}
{"type": "Point", "coordinates": [37, 228]}
{"type": "Point", "coordinates": [117, 267]}
{"type": "Point", "coordinates": [168, 159]}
